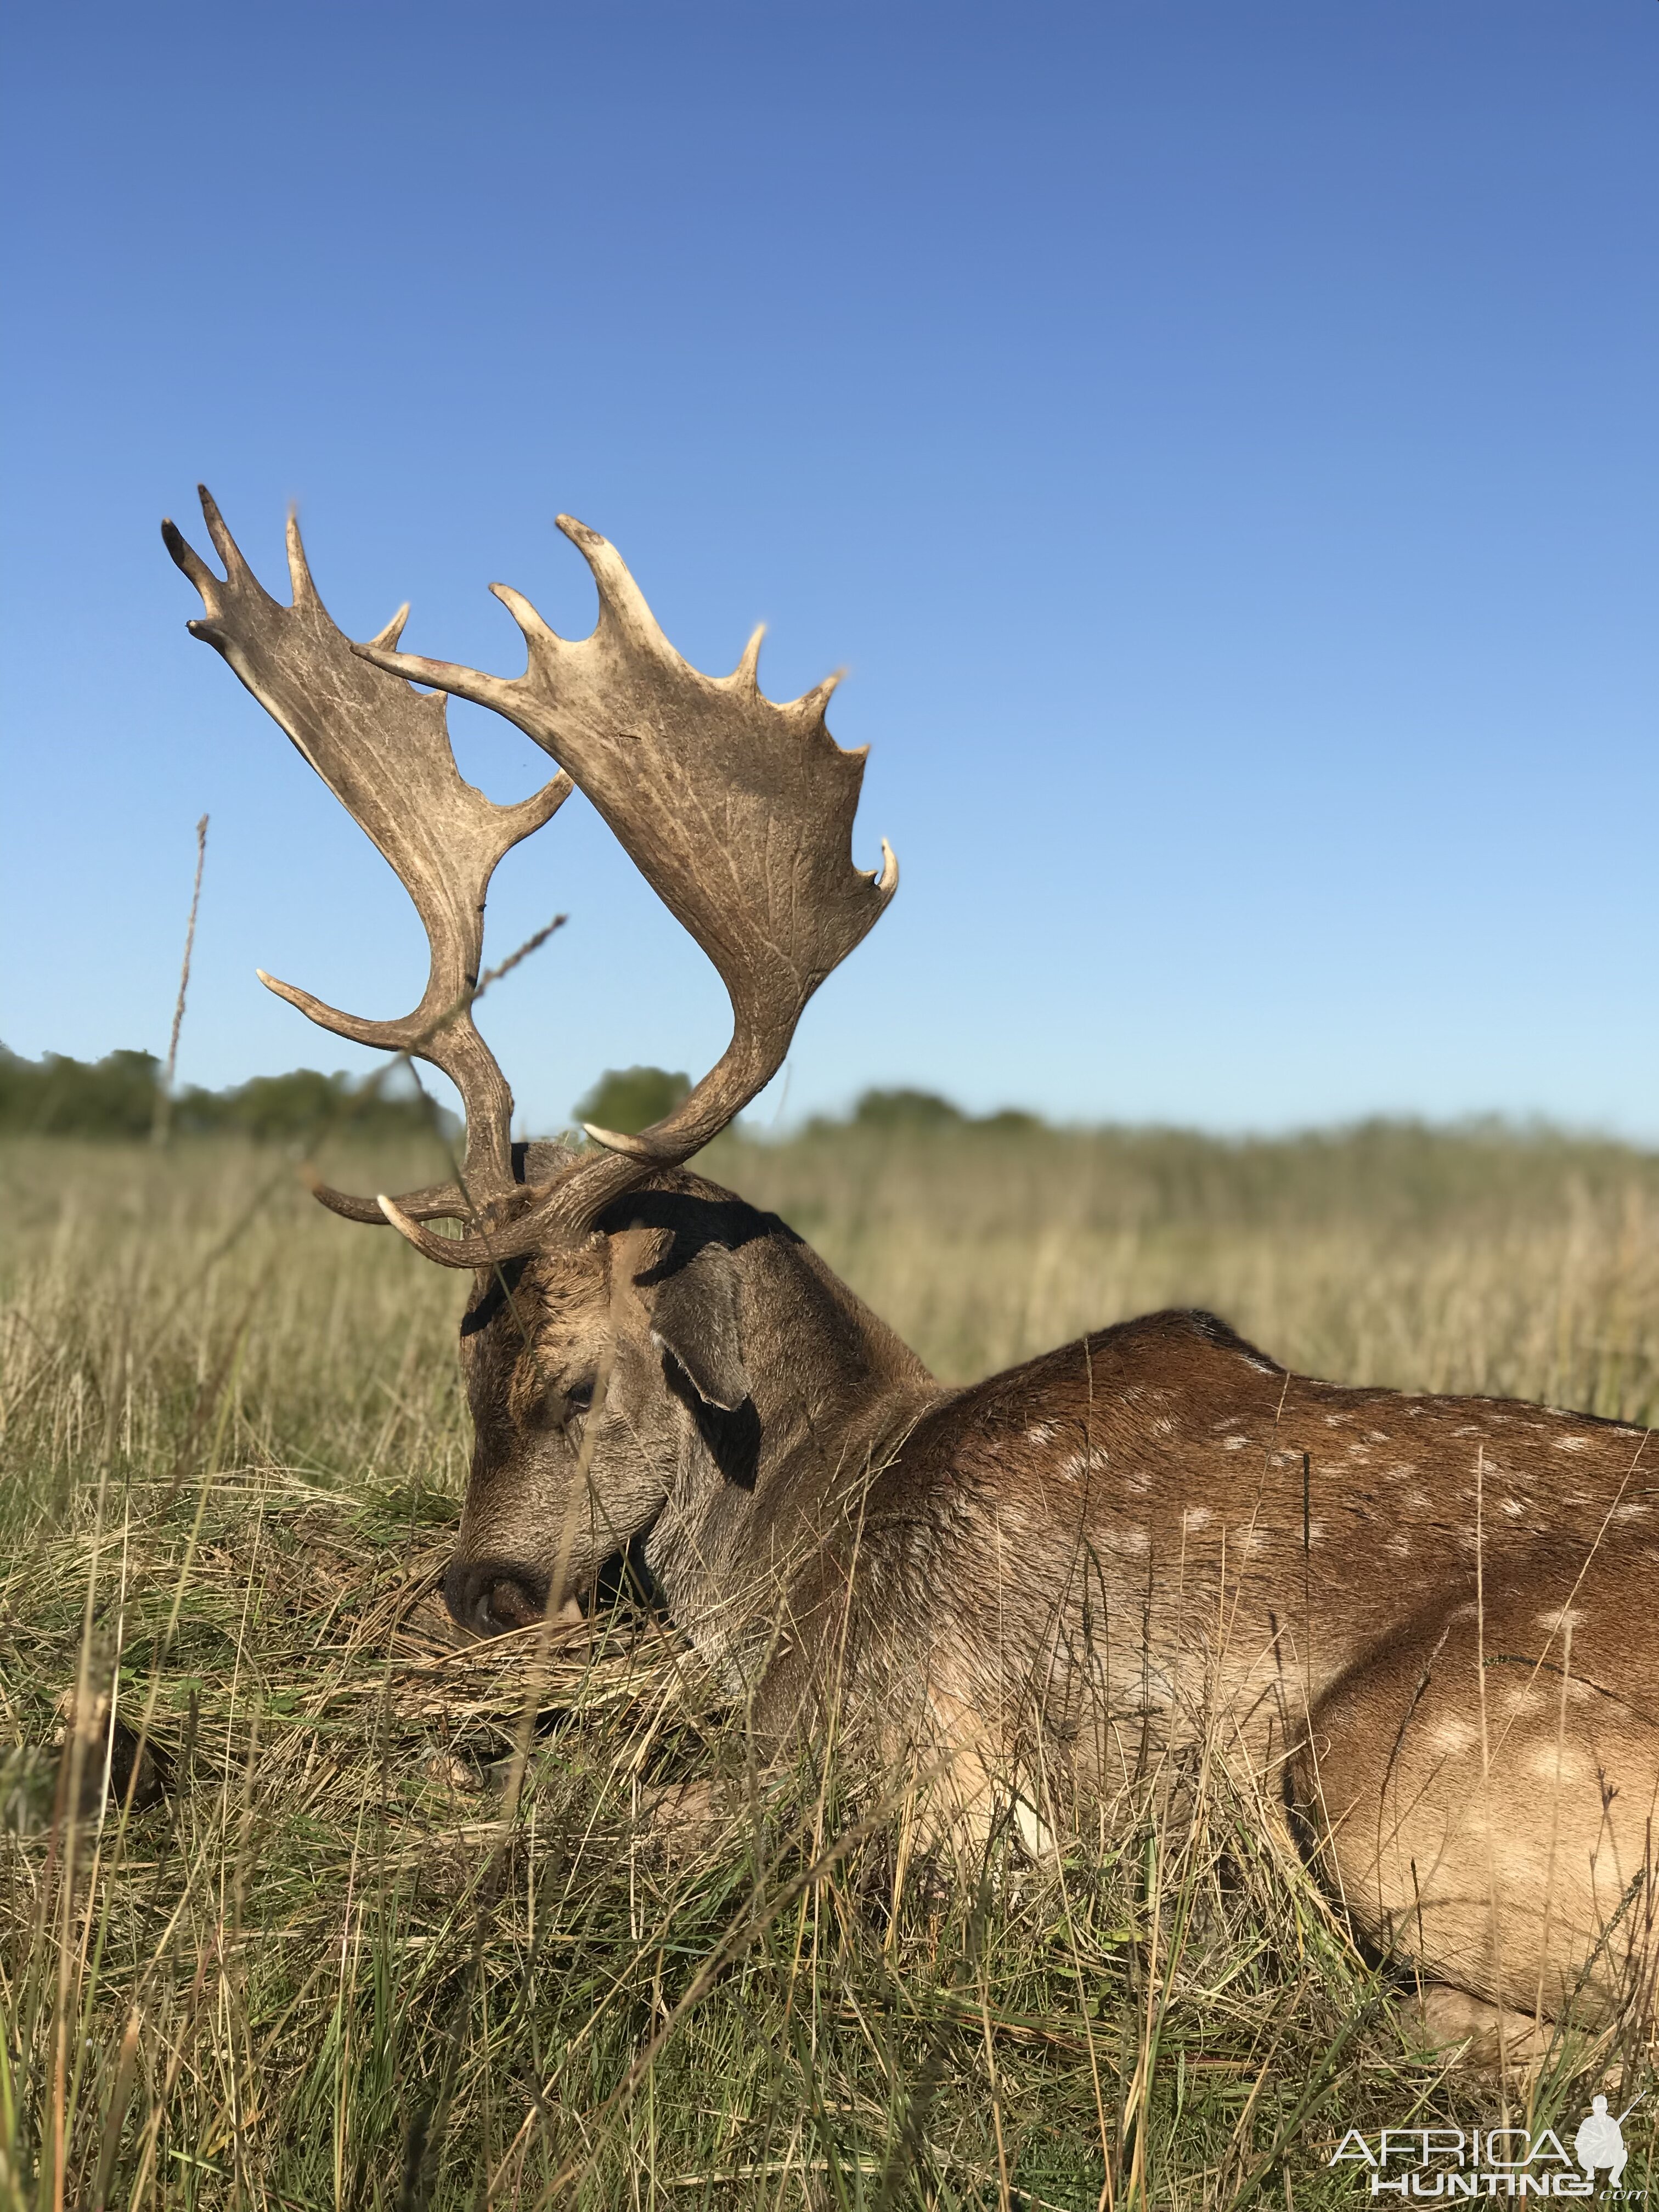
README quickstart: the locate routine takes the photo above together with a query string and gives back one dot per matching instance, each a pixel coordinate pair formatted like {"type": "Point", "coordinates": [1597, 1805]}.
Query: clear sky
{"type": "Point", "coordinates": [1219, 438]}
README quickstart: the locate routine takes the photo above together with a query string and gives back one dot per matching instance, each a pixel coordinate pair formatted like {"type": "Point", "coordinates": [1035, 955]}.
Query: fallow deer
{"type": "Point", "coordinates": [1426, 1622]}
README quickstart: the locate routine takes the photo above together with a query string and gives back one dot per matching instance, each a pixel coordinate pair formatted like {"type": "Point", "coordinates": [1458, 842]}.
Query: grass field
{"type": "Point", "coordinates": [384, 1924]}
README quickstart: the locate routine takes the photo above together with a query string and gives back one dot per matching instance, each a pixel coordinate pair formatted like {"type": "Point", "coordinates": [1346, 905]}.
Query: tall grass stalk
{"type": "Point", "coordinates": [164, 1089]}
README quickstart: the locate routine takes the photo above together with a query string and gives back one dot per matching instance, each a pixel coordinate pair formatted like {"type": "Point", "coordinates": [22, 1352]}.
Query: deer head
{"type": "Point", "coordinates": [603, 1338]}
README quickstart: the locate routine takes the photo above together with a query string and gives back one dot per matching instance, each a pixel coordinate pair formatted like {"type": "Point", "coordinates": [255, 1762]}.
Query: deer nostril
{"type": "Point", "coordinates": [492, 1596]}
{"type": "Point", "coordinates": [508, 1604]}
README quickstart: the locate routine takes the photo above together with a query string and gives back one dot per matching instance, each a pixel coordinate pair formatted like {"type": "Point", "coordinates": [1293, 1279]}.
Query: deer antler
{"type": "Point", "coordinates": [739, 812]}
{"type": "Point", "coordinates": [383, 749]}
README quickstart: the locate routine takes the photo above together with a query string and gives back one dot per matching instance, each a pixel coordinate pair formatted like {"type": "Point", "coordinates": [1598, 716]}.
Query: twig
{"type": "Point", "coordinates": [162, 1123]}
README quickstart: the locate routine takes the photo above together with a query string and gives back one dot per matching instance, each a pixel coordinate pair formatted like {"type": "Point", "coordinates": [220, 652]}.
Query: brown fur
{"type": "Point", "coordinates": [1425, 1623]}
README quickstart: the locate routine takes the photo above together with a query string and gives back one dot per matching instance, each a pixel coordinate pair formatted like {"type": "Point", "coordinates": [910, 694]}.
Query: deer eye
{"type": "Point", "coordinates": [578, 1397]}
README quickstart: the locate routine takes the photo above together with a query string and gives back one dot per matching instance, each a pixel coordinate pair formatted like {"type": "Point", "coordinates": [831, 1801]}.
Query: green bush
{"type": "Point", "coordinates": [924, 1112]}
{"type": "Point", "coordinates": [630, 1099]}
{"type": "Point", "coordinates": [906, 1109]}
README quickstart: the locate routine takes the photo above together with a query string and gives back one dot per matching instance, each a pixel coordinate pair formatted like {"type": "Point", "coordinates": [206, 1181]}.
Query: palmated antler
{"type": "Point", "coordinates": [738, 813]}
{"type": "Point", "coordinates": [383, 749]}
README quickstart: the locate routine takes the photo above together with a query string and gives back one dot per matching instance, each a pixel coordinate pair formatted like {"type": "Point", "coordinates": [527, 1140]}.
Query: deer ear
{"type": "Point", "coordinates": [697, 1318]}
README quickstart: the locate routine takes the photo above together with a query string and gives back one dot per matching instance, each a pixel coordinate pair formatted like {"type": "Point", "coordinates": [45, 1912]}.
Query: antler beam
{"type": "Point", "coordinates": [737, 812]}
{"type": "Point", "coordinates": [383, 749]}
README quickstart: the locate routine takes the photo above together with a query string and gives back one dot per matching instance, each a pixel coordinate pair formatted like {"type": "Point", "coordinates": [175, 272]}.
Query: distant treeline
{"type": "Point", "coordinates": [116, 1096]}
{"type": "Point", "coordinates": [1181, 1172]}
{"type": "Point", "coordinates": [631, 1098]}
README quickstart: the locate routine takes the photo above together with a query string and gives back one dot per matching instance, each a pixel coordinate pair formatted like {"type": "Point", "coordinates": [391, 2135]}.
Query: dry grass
{"type": "Point", "coordinates": [360, 1951]}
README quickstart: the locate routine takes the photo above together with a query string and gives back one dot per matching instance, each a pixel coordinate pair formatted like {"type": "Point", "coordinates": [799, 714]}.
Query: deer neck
{"type": "Point", "coordinates": [833, 1391]}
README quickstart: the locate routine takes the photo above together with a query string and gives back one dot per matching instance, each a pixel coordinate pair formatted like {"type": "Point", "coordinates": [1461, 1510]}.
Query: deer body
{"type": "Point", "coordinates": [1404, 1616]}
{"type": "Point", "coordinates": [1434, 1670]}
{"type": "Point", "coordinates": [1424, 1627]}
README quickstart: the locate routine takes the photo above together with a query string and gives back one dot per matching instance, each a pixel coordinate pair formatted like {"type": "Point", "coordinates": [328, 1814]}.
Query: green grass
{"type": "Point", "coordinates": [399, 1932]}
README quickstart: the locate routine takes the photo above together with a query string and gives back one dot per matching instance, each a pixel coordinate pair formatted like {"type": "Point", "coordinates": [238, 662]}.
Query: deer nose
{"type": "Point", "coordinates": [491, 1596]}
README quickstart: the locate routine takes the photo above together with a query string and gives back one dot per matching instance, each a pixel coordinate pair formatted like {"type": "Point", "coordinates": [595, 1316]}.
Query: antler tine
{"type": "Point", "coordinates": [384, 750]}
{"type": "Point", "coordinates": [746, 675]}
{"type": "Point", "coordinates": [388, 637]}
{"type": "Point", "coordinates": [236, 569]}
{"type": "Point", "coordinates": [737, 812]}
{"type": "Point", "coordinates": [299, 569]}
{"type": "Point", "coordinates": [185, 556]}
{"type": "Point", "coordinates": [434, 1201]}
{"type": "Point", "coordinates": [399, 1035]}
{"type": "Point", "coordinates": [621, 599]}
{"type": "Point", "coordinates": [499, 692]}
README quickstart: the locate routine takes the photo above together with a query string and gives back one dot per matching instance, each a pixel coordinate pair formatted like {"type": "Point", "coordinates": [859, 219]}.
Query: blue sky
{"type": "Point", "coordinates": [1219, 438]}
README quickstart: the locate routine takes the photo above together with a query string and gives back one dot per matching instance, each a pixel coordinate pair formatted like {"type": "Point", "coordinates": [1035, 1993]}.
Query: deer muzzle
{"type": "Point", "coordinates": [492, 1597]}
